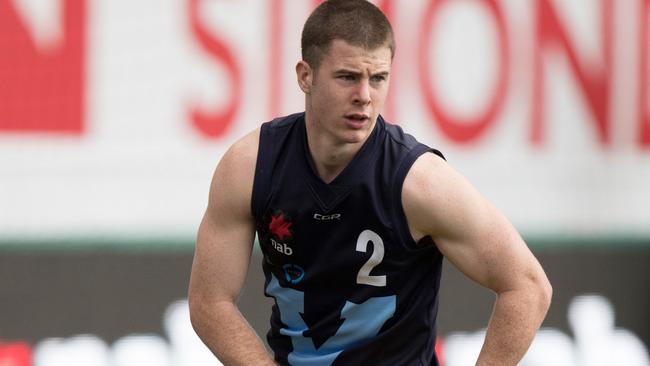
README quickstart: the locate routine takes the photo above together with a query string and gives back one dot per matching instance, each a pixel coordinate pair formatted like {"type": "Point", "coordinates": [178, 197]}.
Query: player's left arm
{"type": "Point", "coordinates": [477, 239]}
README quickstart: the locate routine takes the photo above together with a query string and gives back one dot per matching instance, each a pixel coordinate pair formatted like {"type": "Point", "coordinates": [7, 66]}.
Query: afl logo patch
{"type": "Point", "coordinates": [293, 273]}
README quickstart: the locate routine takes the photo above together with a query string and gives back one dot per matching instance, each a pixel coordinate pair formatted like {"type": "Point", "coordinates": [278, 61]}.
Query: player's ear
{"type": "Point", "coordinates": [305, 75]}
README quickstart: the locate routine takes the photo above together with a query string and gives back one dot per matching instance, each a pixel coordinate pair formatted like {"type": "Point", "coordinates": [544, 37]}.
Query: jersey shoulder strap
{"type": "Point", "coordinates": [274, 138]}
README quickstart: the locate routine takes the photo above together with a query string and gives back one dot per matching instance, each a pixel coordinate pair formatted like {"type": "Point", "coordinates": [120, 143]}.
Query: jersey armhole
{"type": "Point", "coordinates": [399, 215]}
{"type": "Point", "coordinates": [262, 171]}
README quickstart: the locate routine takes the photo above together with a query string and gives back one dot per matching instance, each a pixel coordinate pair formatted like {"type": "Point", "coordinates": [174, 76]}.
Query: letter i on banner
{"type": "Point", "coordinates": [390, 111]}
{"type": "Point", "coordinates": [276, 41]}
{"type": "Point", "coordinates": [644, 76]}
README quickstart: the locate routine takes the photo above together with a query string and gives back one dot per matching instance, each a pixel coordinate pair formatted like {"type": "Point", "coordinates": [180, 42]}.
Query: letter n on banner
{"type": "Point", "coordinates": [42, 84]}
{"type": "Point", "coordinates": [595, 85]}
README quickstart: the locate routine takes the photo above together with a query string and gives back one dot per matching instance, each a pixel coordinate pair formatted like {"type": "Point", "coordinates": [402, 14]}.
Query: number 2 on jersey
{"type": "Point", "coordinates": [364, 277]}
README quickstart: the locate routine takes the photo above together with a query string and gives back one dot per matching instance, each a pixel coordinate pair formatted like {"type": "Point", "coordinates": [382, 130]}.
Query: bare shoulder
{"type": "Point", "coordinates": [232, 183]}
{"type": "Point", "coordinates": [243, 152]}
{"type": "Point", "coordinates": [437, 199]}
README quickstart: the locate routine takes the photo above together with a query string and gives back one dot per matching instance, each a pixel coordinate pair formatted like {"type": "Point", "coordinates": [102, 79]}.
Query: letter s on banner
{"type": "Point", "coordinates": [215, 124]}
{"type": "Point", "coordinates": [456, 129]}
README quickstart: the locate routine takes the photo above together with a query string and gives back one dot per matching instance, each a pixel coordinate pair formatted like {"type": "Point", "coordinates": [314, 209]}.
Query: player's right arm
{"type": "Point", "coordinates": [221, 259]}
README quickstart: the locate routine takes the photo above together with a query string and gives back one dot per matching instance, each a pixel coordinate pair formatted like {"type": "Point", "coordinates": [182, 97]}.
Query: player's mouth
{"type": "Point", "coordinates": [357, 120]}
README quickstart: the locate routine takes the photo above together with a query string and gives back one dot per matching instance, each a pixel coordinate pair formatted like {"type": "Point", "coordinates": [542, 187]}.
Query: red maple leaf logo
{"type": "Point", "coordinates": [279, 227]}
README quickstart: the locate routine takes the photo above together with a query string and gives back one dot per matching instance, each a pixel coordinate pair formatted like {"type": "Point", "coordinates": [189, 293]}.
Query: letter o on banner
{"type": "Point", "coordinates": [463, 130]}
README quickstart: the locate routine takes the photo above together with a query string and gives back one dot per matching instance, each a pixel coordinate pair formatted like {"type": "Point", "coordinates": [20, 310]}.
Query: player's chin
{"type": "Point", "coordinates": [354, 136]}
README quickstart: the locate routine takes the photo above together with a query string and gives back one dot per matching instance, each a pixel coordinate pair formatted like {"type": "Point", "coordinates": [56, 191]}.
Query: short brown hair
{"type": "Point", "coordinates": [357, 22]}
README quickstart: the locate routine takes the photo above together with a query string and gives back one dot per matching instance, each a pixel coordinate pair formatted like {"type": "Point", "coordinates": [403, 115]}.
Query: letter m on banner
{"type": "Point", "coordinates": [42, 66]}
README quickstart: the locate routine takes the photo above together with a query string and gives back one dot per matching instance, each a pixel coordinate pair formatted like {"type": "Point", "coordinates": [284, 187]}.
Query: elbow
{"type": "Point", "coordinates": [549, 293]}
{"type": "Point", "coordinates": [196, 313]}
{"type": "Point", "coordinates": [545, 294]}
{"type": "Point", "coordinates": [207, 315]}
{"type": "Point", "coordinates": [537, 292]}
{"type": "Point", "coordinates": [194, 316]}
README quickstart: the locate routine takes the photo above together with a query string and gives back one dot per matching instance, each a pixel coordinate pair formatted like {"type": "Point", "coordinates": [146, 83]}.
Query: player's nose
{"type": "Point", "coordinates": [362, 93]}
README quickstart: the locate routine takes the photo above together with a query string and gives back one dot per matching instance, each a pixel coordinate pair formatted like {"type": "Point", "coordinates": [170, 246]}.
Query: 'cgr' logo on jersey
{"type": "Point", "coordinates": [327, 217]}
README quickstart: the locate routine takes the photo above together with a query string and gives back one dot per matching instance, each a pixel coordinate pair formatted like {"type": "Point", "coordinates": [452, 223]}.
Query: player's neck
{"type": "Point", "coordinates": [330, 157]}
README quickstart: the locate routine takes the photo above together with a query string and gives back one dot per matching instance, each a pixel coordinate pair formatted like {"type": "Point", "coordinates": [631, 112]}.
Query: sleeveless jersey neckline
{"type": "Point", "coordinates": [356, 168]}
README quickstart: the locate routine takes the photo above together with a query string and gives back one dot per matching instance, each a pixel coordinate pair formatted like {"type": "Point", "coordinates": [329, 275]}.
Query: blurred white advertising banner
{"type": "Point", "coordinates": [596, 341]}
{"type": "Point", "coordinates": [113, 114]}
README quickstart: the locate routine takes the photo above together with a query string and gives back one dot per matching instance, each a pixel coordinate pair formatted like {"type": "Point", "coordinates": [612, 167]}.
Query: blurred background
{"type": "Point", "coordinates": [113, 115]}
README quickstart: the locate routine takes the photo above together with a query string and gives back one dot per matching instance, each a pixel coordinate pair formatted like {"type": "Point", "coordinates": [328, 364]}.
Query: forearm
{"type": "Point", "coordinates": [228, 335]}
{"type": "Point", "coordinates": [516, 317]}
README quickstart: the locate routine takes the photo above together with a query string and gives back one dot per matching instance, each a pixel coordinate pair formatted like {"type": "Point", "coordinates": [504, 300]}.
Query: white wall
{"type": "Point", "coordinates": [140, 167]}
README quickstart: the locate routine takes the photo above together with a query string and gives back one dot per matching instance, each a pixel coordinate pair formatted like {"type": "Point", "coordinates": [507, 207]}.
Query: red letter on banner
{"type": "Point", "coordinates": [215, 124]}
{"type": "Point", "coordinates": [275, 51]}
{"type": "Point", "coordinates": [457, 129]}
{"type": "Point", "coordinates": [15, 354]}
{"type": "Point", "coordinates": [644, 75]}
{"type": "Point", "coordinates": [390, 111]}
{"type": "Point", "coordinates": [42, 90]}
{"type": "Point", "coordinates": [595, 86]}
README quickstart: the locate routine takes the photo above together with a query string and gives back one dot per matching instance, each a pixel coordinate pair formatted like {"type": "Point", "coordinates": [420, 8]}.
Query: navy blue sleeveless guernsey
{"type": "Point", "coordinates": [351, 287]}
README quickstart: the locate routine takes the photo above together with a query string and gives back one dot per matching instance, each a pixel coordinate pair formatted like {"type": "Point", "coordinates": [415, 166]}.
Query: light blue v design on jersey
{"type": "Point", "coordinates": [361, 322]}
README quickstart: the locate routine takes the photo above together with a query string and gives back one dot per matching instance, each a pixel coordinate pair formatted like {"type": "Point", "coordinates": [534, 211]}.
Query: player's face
{"type": "Point", "coordinates": [347, 91]}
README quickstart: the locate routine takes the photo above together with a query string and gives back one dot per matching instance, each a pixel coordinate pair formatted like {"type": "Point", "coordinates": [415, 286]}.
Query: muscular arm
{"type": "Point", "coordinates": [477, 239]}
{"type": "Point", "coordinates": [221, 260]}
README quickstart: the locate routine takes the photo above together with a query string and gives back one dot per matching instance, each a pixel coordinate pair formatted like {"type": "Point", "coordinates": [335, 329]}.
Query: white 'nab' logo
{"type": "Point", "coordinates": [281, 247]}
